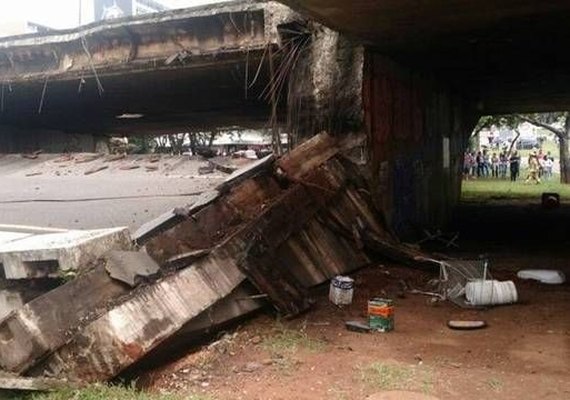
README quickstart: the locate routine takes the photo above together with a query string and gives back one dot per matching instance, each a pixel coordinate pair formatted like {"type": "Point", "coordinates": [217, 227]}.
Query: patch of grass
{"type": "Point", "coordinates": [489, 189]}
{"type": "Point", "coordinates": [286, 340]}
{"type": "Point", "coordinates": [495, 384]}
{"type": "Point", "coordinates": [104, 392]}
{"type": "Point", "coordinates": [337, 393]}
{"type": "Point", "coordinates": [385, 376]}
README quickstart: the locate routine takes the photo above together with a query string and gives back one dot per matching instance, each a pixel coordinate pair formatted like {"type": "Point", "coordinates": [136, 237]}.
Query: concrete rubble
{"type": "Point", "coordinates": [267, 235]}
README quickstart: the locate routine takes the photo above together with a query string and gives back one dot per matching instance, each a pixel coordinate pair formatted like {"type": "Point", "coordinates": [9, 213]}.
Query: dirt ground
{"type": "Point", "coordinates": [522, 354]}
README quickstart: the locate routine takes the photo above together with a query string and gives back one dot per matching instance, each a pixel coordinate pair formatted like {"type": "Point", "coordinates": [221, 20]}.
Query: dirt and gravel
{"type": "Point", "coordinates": [522, 354]}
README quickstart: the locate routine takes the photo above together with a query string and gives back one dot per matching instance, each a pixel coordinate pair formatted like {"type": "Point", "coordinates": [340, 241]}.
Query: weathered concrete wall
{"type": "Point", "coordinates": [417, 131]}
{"type": "Point", "coordinates": [22, 140]}
{"type": "Point", "coordinates": [325, 90]}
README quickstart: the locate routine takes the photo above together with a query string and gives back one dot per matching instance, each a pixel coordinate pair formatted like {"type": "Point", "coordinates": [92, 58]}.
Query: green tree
{"type": "Point", "coordinates": [511, 122]}
{"type": "Point", "coordinates": [559, 124]}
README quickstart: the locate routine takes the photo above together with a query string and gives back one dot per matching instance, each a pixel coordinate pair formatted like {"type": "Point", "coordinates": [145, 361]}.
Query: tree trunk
{"type": "Point", "coordinates": [565, 158]}
{"type": "Point", "coordinates": [514, 141]}
{"type": "Point", "coordinates": [212, 137]}
{"type": "Point", "coordinates": [193, 143]}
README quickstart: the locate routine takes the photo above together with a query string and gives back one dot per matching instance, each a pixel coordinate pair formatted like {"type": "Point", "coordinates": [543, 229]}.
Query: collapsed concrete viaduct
{"type": "Point", "coordinates": [413, 80]}
{"type": "Point", "coordinates": [415, 77]}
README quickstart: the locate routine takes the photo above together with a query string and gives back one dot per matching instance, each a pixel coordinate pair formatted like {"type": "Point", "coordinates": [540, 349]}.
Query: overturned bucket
{"type": "Point", "coordinates": [491, 292]}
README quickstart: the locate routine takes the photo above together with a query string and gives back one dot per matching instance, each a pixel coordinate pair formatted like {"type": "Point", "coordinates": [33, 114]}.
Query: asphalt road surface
{"type": "Point", "coordinates": [50, 192]}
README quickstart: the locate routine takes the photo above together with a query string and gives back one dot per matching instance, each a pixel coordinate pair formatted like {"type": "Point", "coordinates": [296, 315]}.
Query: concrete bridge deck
{"type": "Point", "coordinates": [191, 68]}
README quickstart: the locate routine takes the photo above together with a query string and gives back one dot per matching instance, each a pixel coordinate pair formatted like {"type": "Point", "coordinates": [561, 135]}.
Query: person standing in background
{"type": "Point", "coordinates": [503, 164]}
{"type": "Point", "coordinates": [486, 163]}
{"type": "Point", "coordinates": [495, 165]}
{"type": "Point", "coordinates": [548, 165]}
{"type": "Point", "coordinates": [479, 162]}
{"type": "Point", "coordinates": [515, 162]}
{"type": "Point", "coordinates": [533, 168]}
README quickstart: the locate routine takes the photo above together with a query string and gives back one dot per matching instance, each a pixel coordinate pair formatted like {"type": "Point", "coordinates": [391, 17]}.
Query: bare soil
{"type": "Point", "coordinates": [522, 354]}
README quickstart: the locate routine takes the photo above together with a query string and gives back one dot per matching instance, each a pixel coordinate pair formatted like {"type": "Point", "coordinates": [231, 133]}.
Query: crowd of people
{"type": "Point", "coordinates": [483, 164]}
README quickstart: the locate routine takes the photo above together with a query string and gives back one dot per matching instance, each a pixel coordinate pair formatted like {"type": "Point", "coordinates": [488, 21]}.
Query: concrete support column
{"type": "Point", "coordinates": [417, 133]}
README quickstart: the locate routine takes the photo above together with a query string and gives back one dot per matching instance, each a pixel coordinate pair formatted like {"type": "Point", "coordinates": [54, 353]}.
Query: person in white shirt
{"type": "Point", "coordinates": [548, 164]}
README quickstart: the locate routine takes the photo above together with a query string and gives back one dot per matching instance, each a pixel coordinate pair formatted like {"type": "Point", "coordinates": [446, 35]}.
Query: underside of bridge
{"type": "Point", "coordinates": [431, 69]}
{"type": "Point", "coordinates": [507, 56]}
{"type": "Point", "coordinates": [163, 73]}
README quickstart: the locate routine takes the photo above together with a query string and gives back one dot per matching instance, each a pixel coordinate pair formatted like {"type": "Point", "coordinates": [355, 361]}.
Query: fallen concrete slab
{"type": "Point", "coordinates": [51, 255]}
{"type": "Point", "coordinates": [47, 322]}
{"type": "Point", "coordinates": [149, 316]}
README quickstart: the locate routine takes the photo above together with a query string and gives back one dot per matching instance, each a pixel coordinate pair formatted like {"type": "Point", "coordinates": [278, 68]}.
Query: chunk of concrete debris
{"type": "Point", "coordinates": [87, 158]}
{"type": "Point", "coordinates": [183, 260]}
{"type": "Point", "coordinates": [95, 170]}
{"type": "Point", "coordinates": [130, 267]}
{"type": "Point", "coordinates": [129, 167]}
{"type": "Point", "coordinates": [205, 170]}
{"type": "Point", "coordinates": [257, 247]}
{"type": "Point", "coordinates": [251, 367]}
{"type": "Point", "coordinates": [222, 165]}
{"type": "Point", "coordinates": [51, 254]}
{"type": "Point", "coordinates": [47, 322]}
{"type": "Point", "coordinates": [15, 382]}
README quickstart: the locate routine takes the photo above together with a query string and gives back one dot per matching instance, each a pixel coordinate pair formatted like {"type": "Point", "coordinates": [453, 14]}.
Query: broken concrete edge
{"type": "Point", "coordinates": [173, 217]}
{"type": "Point", "coordinates": [120, 25]}
{"type": "Point", "coordinates": [314, 152]}
{"type": "Point", "coordinates": [49, 321]}
{"type": "Point", "coordinates": [53, 255]}
{"type": "Point", "coordinates": [30, 229]}
{"type": "Point", "coordinates": [247, 172]}
{"type": "Point", "coordinates": [15, 382]}
{"type": "Point", "coordinates": [186, 259]}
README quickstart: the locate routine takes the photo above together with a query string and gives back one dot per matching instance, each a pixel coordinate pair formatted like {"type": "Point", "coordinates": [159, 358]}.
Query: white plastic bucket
{"type": "Point", "coordinates": [489, 293]}
{"type": "Point", "coordinates": [341, 290]}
